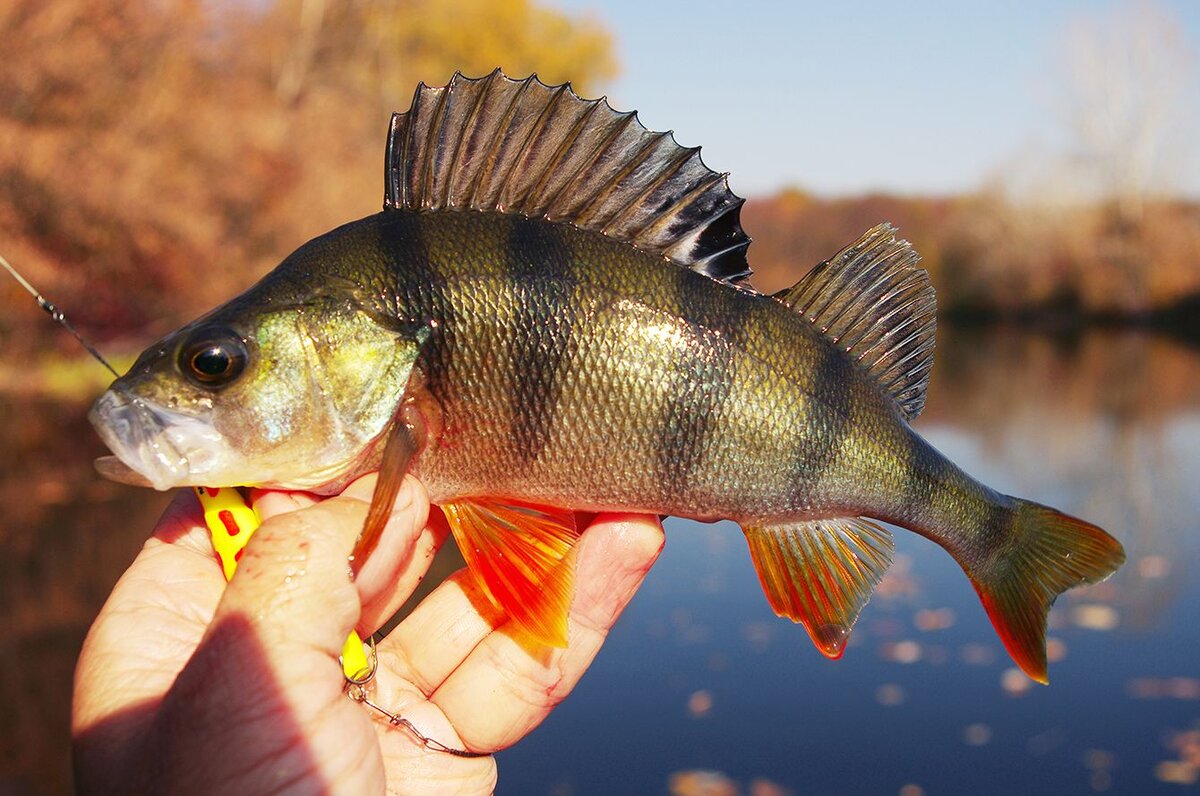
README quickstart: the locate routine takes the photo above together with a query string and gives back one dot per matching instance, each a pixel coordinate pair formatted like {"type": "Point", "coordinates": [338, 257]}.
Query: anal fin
{"type": "Point", "coordinates": [821, 573]}
{"type": "Point", "coordinates": [522, 556]}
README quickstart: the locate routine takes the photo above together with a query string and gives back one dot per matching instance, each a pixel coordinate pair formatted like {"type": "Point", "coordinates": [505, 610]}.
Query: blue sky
{"type": "Point", "coordinates": [841, 98]}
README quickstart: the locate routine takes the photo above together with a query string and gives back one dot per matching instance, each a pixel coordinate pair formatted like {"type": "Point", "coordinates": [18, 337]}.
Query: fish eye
{"type": "Point", "coordinates": [213, 358]}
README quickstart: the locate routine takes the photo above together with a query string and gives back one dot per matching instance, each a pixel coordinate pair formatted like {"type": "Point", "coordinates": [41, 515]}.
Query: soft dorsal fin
{"type": "Point", "coordinates": [875, 303]}
{"type": "Point", "coordinates": [520, 146]}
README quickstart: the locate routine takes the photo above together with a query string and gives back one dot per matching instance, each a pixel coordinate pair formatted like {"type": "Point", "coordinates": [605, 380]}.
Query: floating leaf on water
{"type": "Point", "coordinates": [1015, 682]}
{"type": "Point", "coordinates": [890, 695]}
{"type": "Point", "coordinates": [977, 734]}
{"type": "Point", "coordinates": [700, 704]}
{"type": "Point", "coordinates": [1095, 616]}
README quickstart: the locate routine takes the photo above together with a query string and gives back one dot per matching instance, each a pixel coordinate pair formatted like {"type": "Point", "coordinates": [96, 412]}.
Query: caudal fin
{"type": "Point", "coordinates": [1050, 552]}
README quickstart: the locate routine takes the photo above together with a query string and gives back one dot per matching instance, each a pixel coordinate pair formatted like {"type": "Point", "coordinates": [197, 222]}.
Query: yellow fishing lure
{"type": "Point", "coordinates": [231, 522]}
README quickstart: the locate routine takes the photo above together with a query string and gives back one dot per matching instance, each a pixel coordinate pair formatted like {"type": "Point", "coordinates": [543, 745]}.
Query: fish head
{"type": "Point", "coordinates": [292, 394]}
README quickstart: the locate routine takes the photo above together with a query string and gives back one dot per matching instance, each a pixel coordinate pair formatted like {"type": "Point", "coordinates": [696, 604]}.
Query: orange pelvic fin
{"type": "Point", "coordinates": [1052, 552]}
{"type": "Point", "coordinates": [522, 557]}
{"type": "Point", "coordinates": [821, 573]}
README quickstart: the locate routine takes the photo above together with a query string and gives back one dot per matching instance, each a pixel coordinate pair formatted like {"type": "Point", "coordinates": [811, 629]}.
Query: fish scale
{"type": "Point", "coordinates": [627, 339]}
{"type": "Point", "coordinates": [552, 314]}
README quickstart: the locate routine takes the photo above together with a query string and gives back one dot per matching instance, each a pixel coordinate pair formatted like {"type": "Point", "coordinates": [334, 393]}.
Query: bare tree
{"type": "Point", "coordinates": [1128, 74]}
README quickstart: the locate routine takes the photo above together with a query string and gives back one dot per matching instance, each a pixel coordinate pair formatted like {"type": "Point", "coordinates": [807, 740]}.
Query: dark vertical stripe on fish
{"type": "Point", "coordinates": [998, 527]}
{"type": "Point", "coordinates": [932, 482]}
{"type": "Point", "coordinates": [828, 421]}
{"type": "Point", "coordinates": [541, 266]}
{"type": "Point", "coordinates": [701, 377]}
{"type": "Point", "coordinates": [923, 475]}
{"type": "Point", "coordinates": [999, 522]}
{"type": "Point", "coordinates": [421, 289]}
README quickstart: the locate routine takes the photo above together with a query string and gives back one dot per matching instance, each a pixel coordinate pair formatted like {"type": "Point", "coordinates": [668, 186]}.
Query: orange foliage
{"type": "Point", "coordinates": [793, 231]}
{"type": "Point", "coordinates": [990, 256]}
{"type": "Point", "coordinates": [158, 155]}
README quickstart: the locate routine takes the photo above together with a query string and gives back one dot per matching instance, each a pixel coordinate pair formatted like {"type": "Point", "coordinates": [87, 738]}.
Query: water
{"type": "Point", "coordinates": [701, 689]}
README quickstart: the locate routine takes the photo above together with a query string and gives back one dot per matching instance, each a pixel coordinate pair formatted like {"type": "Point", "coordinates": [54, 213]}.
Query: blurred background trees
{"type": "Point", "coordinates": [1092, 228]}
{"type": "Point", "coordinates": [158, 155]}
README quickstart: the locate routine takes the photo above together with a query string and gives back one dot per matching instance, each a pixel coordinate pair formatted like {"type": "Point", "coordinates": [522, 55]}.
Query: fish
{"type": "Point", "coordinates": [552, 314]}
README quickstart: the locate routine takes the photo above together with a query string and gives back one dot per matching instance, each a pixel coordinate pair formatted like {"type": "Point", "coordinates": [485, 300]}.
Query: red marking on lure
{"type": "Point", "coordinates": [229, 522]}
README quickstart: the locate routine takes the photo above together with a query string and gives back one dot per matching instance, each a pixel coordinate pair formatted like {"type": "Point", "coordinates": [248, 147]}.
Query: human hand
{"type": "Point", "coordinates": [186, 685]}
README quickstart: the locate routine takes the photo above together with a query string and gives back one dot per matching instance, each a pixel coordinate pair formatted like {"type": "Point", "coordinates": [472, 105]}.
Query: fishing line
{"type": "Point", "coordinates": [56, 314]}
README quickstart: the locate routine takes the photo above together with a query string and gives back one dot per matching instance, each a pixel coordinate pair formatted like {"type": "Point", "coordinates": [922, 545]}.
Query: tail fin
{"type": "Point", "coordinates": [1050, 553]}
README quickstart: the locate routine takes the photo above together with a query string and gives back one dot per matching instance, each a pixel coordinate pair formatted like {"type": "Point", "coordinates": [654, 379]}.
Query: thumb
{"type": "Point", "coordinates": [294, 581]}
{"type": "Point", "coordinates": [262, 695]}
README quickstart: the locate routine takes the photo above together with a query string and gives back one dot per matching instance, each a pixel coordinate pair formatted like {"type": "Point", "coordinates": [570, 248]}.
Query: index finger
{"type": "Point", "coordinates": [149, 626]}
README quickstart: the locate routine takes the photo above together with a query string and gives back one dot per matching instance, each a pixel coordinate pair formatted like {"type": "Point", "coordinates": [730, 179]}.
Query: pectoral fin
{"type": "Point", "coordinates": [407, 432]}
{"type": "Point", "coordinates": [402, 444]}
{"type": "Point", "coordinates": [821, 573]}
{"type": "Point", "coordinates": [522, 557]}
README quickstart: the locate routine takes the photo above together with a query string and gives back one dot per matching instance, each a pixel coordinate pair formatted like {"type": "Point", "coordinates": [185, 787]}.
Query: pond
{"type": "Point", "coordinates": [700, 688]}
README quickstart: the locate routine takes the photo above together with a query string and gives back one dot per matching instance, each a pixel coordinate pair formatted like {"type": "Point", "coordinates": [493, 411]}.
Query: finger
{"type": "Point", "coordinates": [501, 690]}
{"type": "Point", "coordinates": [440, 633]}
{"type": "Point", "coordinates": [411, 766]}
{"type": "Point", "coordinates": [263, 691]}
{"type": "Point", "coordinates": [150, 624]}
{"type": "Point", "coordinates": [385, 582]}
{"type": "Point", "coordinates": [287, 542]}
{"type": "Point", "coordinates": [387, 601]}
{"type": "Point", "coordinates": [269, 503]}
{"type": "Point", "coordinates": [182, 529]}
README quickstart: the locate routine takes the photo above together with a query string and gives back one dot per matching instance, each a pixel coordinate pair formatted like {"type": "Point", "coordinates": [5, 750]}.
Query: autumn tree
{"type": "Point", "coordinates": [1124, 93]}
{"type": "Point", "coordinates": [157, 155]}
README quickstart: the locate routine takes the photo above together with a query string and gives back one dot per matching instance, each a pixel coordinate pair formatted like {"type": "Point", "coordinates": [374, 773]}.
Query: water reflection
{"type": "Point", "coordinates": [1109, 422]}
{"type": "Point", "coordinates": [701, 689]}
{"type": "Point", "coordinates": [65, 536]}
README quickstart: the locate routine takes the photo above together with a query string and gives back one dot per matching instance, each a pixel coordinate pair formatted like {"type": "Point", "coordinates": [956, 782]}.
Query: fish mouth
{"type": "Point", "coordinates": [154, 446]}
{"type": "Point", "coordinates": [114, 469]}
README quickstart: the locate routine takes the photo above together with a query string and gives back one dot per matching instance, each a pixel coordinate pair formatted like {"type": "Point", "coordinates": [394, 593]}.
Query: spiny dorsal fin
{"type": "Point", "coordinates": [875, 303]}
{"type": "Point", "coordinates": [821, 573]}
{"type": "Point", "coordinates": [520, 146]}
